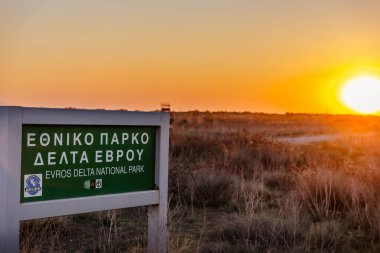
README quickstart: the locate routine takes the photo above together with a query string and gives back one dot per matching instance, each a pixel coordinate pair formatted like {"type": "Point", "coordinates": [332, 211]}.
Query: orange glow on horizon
{"type": "Point", "coordinates": [264, 57]}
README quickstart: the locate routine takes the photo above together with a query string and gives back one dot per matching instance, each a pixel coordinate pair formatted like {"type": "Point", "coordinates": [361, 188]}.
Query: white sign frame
{"type": "Point", "coordinates": [12, 211]}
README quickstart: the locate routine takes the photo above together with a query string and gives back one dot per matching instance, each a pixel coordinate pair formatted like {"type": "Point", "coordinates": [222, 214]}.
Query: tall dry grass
{"type": "Point", "coordinates": [318, 197]}
{"type": "Point", "coordinates": [40, 235]}
{"type": "Point", "coordinates": [235, 187]}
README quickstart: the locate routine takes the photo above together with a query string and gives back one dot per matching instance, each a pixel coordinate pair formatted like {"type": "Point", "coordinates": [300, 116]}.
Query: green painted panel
{"type": "Point", "coordinates": [62, 161]}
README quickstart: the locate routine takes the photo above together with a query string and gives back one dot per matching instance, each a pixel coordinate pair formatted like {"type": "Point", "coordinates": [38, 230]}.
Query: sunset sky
{"type": "Point", "coordinates": [239, 55]}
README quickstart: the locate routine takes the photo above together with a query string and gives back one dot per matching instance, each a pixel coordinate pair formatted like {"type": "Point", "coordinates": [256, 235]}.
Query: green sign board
{"type": "Point", "coordinates": [62, 161]}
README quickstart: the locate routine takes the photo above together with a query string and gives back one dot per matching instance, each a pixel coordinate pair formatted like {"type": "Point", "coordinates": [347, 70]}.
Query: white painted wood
{"type": "Point", "coordinates": [36, 210]}
{"type": "Point", "coordinates": [157, 215]}
{"type": "Point", "coordinates": [4, 121]}
{"type": "Point", "coordinates": [13, 175]}
{"type": "Point", "coordinates": [153, 229]}
{"type": "Point", "coordinates": [90, 117]}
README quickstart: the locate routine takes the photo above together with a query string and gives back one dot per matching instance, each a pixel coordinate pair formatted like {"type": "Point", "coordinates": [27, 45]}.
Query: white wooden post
{"type": "Point", "coordinates": [157, 214]}
{"type": "Point", "coordinates": [10, 162]}
{"type": "Point", "coordinates": [4, 117]}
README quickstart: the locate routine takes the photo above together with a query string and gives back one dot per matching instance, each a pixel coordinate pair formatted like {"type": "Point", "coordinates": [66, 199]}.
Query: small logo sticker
{"type": "Point", "coordinates": [32, 185]}
{"type": "Point", "coordinates": [93, 184]}
{"type": "Point", "coordinates": [98, 183]}
{"type": "Point", "coordinates": [87, 184]}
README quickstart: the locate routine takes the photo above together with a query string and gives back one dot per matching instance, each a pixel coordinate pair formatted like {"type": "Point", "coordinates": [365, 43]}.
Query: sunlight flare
{"type": "Point", "coordinates": [362, 94]}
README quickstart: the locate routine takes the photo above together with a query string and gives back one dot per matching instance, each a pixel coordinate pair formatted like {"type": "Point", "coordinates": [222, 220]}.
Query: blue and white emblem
{"type": "Point", "coordinates": [33, 185]}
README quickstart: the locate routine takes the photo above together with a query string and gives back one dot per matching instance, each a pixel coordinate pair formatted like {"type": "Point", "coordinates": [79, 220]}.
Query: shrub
{"type": "Point", "coordinates": [259, 233]}
{"type": "Point", "coordinates": [210, 188]}
{"type": "Point", "coordinates": [326, 236]}
{"type": "Point", "coordinates": [41, 234]}
{"type": "Point", "coordinates": [326, 194]}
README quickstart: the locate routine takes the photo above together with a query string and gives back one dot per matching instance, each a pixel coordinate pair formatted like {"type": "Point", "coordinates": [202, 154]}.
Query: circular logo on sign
{"type": "Point", "coordinates": [99, 183]}
{"type": "Point", "coordinates": [33, 185]}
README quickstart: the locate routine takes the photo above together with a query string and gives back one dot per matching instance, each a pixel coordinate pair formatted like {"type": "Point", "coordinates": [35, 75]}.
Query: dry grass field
{"type": "Point", "coordinates": [243, 182]}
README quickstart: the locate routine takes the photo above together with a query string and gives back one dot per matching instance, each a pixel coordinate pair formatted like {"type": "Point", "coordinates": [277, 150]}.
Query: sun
{"type": "Point", "coordinates": [362, 94]}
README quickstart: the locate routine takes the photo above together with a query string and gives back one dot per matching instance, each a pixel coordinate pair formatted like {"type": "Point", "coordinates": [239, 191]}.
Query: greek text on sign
{"type": "Point", "coordinates": [71, 159]}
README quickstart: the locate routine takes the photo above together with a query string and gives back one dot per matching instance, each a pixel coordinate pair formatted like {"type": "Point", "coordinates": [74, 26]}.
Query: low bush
{"type": "Point", "coordinates": [210, 188]}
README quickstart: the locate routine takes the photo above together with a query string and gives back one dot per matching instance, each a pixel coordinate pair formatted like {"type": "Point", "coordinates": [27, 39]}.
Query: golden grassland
{"type": "Point", "coordinates": [238, 183]}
